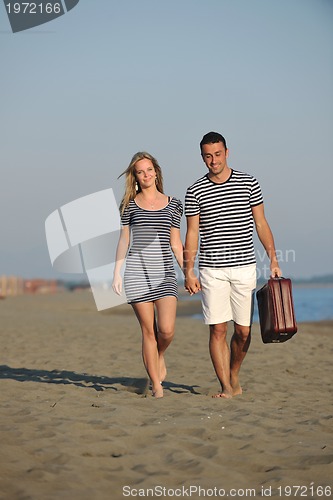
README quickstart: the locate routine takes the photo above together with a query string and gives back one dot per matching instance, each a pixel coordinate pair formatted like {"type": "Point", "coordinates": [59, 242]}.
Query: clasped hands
{"type": "Point", "coordinates": [192, 285]}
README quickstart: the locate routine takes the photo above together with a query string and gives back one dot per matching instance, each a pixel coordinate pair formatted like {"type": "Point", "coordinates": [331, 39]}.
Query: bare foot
{"type": "Point", "coordinates": [226, 395]}
{"type": "Point", "coordinates": [236, 387]}
{"type": "Point", "coordinates": [158, 393]}
{"type": "Point", "coordinates": [163, 370]}
{"type": "Point", "coordinates": [237, 391]}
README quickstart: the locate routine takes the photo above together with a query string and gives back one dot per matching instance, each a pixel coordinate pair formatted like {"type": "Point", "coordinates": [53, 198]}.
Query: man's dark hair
{"type": "Point", "coordinates": [212, 138]}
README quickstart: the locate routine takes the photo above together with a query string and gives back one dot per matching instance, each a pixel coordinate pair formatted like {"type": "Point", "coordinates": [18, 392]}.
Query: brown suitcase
{"type": "Point", "coordinates": [276, 311]}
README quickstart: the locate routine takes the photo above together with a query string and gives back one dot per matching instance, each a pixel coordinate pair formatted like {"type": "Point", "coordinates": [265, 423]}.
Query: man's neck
{"type": "Point", "coordinates": [221, 177]}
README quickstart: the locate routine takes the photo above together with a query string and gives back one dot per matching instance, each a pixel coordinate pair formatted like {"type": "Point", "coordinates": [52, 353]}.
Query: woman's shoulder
{"type": "Point", "coordinates": [128, 209]}
{"type": "Point", "coordinates": [175, 200]}
{"type": "Point", "coordinates": [131, 205]}
{"type": "Point", "coordinates": [175, 203]}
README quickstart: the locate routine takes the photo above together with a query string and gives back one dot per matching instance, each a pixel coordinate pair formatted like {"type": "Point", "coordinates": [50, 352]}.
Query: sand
{"type": "Point", "coordinates": [77, 419]}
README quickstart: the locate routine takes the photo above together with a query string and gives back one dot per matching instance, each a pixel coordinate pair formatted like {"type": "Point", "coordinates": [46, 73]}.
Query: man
{"type": "Point", "coordinates": [222, 207]}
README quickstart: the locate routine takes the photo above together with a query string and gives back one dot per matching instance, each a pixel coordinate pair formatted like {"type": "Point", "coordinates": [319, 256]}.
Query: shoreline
{"type": "Point", "coordinates": [188, 307]}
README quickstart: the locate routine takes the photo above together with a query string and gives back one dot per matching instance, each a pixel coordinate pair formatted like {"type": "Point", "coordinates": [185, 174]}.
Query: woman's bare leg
{"type": "Point", "coordinates": [146, 316]}
{"type": "Point", "coordinates": [166, 317]}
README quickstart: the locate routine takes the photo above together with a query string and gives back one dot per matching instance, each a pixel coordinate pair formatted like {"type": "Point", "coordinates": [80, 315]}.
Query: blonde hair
{"type": "Point", "coordinates": [131, 182]}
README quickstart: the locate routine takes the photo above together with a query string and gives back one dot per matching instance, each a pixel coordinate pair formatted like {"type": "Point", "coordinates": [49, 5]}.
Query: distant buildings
{"type": "Point", "coordinates": [15, 285]}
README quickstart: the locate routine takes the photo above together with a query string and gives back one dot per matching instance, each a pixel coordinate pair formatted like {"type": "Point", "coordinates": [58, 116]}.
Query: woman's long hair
{"type": "Point", "coordinates": [132, 188]}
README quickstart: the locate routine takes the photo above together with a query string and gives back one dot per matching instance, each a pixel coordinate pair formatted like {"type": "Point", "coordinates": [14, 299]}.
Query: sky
{"type": "Point", "coordinates": [84, 92]}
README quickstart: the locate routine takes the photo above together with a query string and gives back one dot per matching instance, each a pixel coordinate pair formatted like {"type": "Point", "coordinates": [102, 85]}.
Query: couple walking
{"type": "Point", "coordinates": [221, 209]}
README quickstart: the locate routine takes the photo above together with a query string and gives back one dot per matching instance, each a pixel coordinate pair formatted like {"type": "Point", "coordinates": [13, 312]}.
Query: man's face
{"type": "Point", "coordinates": [215, 157]}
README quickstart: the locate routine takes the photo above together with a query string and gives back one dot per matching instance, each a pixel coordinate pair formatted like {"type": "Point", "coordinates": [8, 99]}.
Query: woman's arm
{"type": "Point", "coordinates": [121, 253]}
{"type": "Point", "coordinates": [177, 246]}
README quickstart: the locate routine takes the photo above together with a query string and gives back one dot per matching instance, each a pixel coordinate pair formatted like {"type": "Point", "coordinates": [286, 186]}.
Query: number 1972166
{"type": "Point", "coordinates": [304, 491]}
{"type": "Point", "coordinates": [33, 8]}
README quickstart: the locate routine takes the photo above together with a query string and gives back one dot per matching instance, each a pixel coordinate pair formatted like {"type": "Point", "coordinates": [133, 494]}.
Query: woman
{"type": "Point", "coordinates": [150, 279]}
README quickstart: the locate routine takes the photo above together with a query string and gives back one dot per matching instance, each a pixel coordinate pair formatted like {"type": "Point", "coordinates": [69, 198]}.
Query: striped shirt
{"type": "Point", "coordinates": [226, 220]}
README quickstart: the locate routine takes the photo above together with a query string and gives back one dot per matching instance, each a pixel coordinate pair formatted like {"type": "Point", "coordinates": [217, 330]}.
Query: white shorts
{"type": "Point", "coordinates": [227, 294]}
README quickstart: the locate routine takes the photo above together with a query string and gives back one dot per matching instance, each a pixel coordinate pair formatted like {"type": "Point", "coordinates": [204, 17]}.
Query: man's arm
{"type": "Point", "coordinates": [266, 237]}
{"type": "Point", "coordinates": [192, 283]}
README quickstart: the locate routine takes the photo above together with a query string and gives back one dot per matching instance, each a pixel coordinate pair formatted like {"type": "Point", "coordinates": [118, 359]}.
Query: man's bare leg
{"type": "Point", "coordinates": [240, 343]}
{"type": "Point", "coordinates": [220, 356]}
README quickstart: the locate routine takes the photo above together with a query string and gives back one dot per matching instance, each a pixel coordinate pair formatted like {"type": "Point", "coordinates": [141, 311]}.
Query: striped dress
{"type": "Point", "coordinates": [149, 272]}
{"type": "Point", "coordinates": [226, 220]}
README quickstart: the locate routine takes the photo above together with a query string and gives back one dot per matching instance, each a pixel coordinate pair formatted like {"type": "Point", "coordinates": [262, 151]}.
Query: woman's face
{"type": "Point", "coordinates": [145, 173]}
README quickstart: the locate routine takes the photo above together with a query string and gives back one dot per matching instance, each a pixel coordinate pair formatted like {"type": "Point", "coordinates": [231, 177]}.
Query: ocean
{"type": "Point", "coordinates": [311, 303]}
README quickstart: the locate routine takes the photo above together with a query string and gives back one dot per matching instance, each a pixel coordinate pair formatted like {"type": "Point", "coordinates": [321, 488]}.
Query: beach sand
{"type": "Point", "coordinates": [78, 421]}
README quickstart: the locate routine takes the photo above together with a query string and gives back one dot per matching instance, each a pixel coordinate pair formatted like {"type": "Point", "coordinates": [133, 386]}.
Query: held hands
{"type": "Point", "coordinates": [192, 285]}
